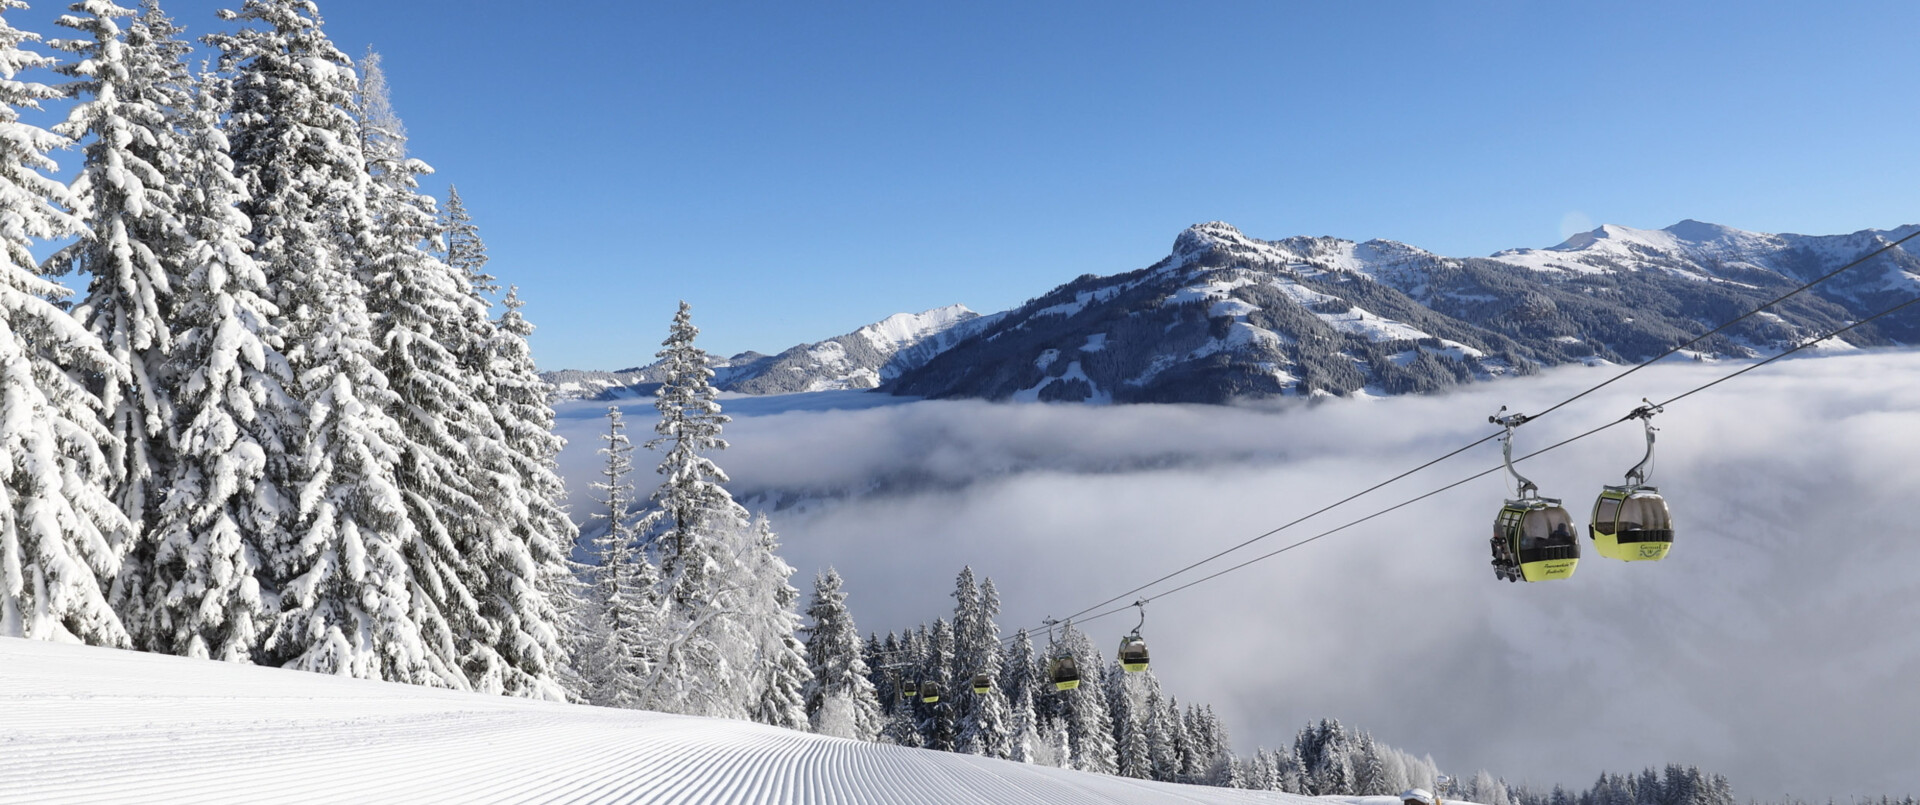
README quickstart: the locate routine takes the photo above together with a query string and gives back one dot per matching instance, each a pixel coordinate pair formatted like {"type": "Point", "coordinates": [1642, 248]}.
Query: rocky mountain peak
{"type": "Point", "coordinates": [1202, 237]}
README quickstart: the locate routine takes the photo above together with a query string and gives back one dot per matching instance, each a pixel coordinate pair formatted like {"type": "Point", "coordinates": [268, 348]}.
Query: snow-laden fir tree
{"type": "Point", "coordinates": [893, 666]}
{"type": "Point", "coordinates": [1017, 666]}
{"type": "Point", "coordinates": [347, 596]}
{"type": "Point", "coordinates": [1089, 726]}
{"type": "Point", "coordinates": [936, 719]}
{"type": "Point", "coordinates": [1162, 755]}
{"type": "Point", "coordinates": [1489, 790]}
{"type": "Point", "coordinates": [970, 625]}
{"type": "Point", "coordinates": [1023, 727]}
{"type": "Point", "coordinates": [61, 536]}
{"type": "Point", "coordinates": [780, 669]}
{"type": "Point", "coordinates": [126, 95]}
{"type": "Point", "coordinates": [1127, 697]}
{"type": "Point", "coordinates": [712, 560]}
{"type": "Point", "coordinates": [478, 561]}
{"type": "Point", "coordinates": [985, 717]}
{"type": "Point", "coordinates": [1018, 684]}
{"type": "Point", "coordinates": [840, 697]}
{"type": "Point", "coordinates": [465, 251]}
{"type": "Point", "coordinates": [703, 646]}
{"type": "Point", "coordinates": [535, 595]}
{"type": "Point", "coordinates": [1131, 755]}
{"type": "Point", "coordinates": [415, 302]}
{"type": "Point", "coordinates": [1370, 777]}
{"type": "Point", "coordinates": [623, 618]}
{"type": "Point", "coordinates": [1262, 771]}
{"type": "Point", "coordinates": [1213, 750]}
{"type": "Point", "coordinates": [197, 591]}
{"type": "Point", "coordinates": [1185, 759]}
{"type": "Point", "coordinates": [1394, 770]}
{"type": "Point", "coordinates": [878, 655]}
{"type": "Point", "coordinates": [694, 510]}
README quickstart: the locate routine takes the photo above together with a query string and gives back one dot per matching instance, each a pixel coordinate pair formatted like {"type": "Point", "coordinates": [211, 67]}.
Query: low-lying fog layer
{"type": "Point", "coordinates": [1775, 645]}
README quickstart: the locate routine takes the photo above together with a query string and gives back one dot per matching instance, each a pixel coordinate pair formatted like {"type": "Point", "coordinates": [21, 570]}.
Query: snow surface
{"type": "Point", "coordinates": [1357, 320]}
{"type": "Point", "coordinates": [902, 330]}
{"type": "Point", "coordinates": [1593, 252]}
{"type": "Point", "coordinates": [89, 725]}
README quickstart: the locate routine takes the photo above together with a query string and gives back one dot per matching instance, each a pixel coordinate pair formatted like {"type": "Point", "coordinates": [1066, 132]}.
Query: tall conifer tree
{"type": "Point", "coordinates": [693, 509]}
{"type": "Point", "coordinates": [348, 602]}
{"type": "Point", "coordinates": [533, 587]}
{"type": "Point", "coordinates": [780, 671]}
{"type": "Point", "coordinates": [697, 531]}
{"type": "Point", "coordinates": [133, 240]}
{"type": "Point", "coordinates": [840, 698]}
{"type": "Point", "coordinates": [61, 536]}
{"type": "Point", "coordinates": [624, 615]}
{"type": "Point", "coordinates": [414, 302]}
{"type": "Point", "coordinates": [198, 592]}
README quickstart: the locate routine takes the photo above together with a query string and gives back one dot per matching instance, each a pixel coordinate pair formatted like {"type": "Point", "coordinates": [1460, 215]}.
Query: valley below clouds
{"type": "Point", "coordinates": [1775, 645]}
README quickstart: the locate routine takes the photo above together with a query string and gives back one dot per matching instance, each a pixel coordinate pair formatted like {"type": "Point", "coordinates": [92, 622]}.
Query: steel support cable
{"type": "Point", "coordinates": [1389, 510]}
{"type": "Point", "coordinates": [1555, 407]}
{"type": "Point", "coordinates": [1296, 521]}
{"type": "Point", "coordinates": [1629, 417]}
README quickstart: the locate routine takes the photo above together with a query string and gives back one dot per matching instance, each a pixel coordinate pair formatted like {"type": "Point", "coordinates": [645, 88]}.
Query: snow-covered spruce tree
{"type": "Point", "coordinates": [1370, 770]}
{"type": "Point", "coordinates": [198, 592]}
{"type": "Point", "coordinates": [1022, 727]}
{"type": "Point", "coordinates": [1016, 664]}
{"type": "Point", "coordinates": [1162, 756]}
{"type": "Point", "coordinates": [414, 301]}
{"type": "Point", "coordinates": [693, 508]}
{"type": "Point", "coordinates": [1131, 757]}
{"type": "Point", "coordinates": [878, 655]}
{"type": "Point", "coordinates": [936, 719]}
{"type": "Point", "coordinates": [1089, 727]}
{"type": "Point", "coordinates": [465, 493]}
{"type": "Point", "coordinates": [1127, 694]}
{"type": "Point", "coordinates": [891, 665]}
{"type": "Point", "coordinates": [985, 717]}
{"type": "Point", "coordinates": [126, 96]}
{"type": "Point", "coordinates": [465, 251]}
{"type": "Point", "coordinates": [1393, 770]}
{"type": "Point", "coordinates": [61, 536]}
{"type": "Point", "coordinates": [1489, 790]}
{"type": "Point", "coordinates": [697, 531]}
{"type": "Point", "coordinates": [1262, 771]}
{"type": "Point", "coordinates": [1184, 756]}
{"type": "Point", "coordinates": [1213, 750]}
{"type": "Point", "coordinates": [534, 509]}
{"type": "Point", "coordinates": [348, 602]}
{"type": "Point", "coordinates": [624, 615]}
{"type": "Point", "coordinates": [517, 471]}
{"type": "Point", "coordinates": [840, 698]}
{"type": "Point", "coordinates": [1029, 695]}
{"type": "Point", "coordinates": [780, 670]}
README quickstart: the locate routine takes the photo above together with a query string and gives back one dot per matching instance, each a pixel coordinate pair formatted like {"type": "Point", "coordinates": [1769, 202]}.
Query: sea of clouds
{"type": "Point", "coordinates": [1776, 645]}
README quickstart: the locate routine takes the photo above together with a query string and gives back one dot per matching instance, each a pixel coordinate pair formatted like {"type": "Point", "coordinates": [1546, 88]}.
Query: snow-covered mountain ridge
{"type": "Point", "coordinates": [1226, 316]}
{"type": "Point", "coordinates": [862, 359]}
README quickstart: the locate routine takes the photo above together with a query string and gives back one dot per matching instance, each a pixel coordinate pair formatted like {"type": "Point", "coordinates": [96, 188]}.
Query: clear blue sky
{"type": "Point", "coordinates": [796, 170]}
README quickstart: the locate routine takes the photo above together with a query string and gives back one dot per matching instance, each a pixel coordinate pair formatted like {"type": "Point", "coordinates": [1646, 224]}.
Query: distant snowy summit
{"type": "Point", "coordinates": [1226, 316]}
{"type": "Point", "coordinates": [862, 359]}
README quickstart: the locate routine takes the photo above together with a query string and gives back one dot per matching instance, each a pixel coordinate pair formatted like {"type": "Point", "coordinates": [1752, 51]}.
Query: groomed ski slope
{"type": "Point", "coordinates": [83, 724]}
